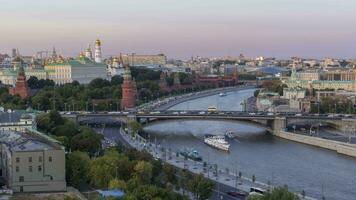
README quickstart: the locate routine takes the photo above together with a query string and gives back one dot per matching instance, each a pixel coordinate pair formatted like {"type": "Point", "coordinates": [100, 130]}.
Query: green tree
{"type": "Point", "coordinates": [143, 172]}
{"type": "Point", "coordinates": [280, 193]}
{"type": "Point", "coordinates": [134, 127]}
{"type": "Point", "coordinates": [201, 187]}
{"type": "Point", "coordinates": [77, 168]}
{"type": "Point", "coordinates": [87, 140]}
{"type": "Point", "coordinates": [103, 170]}
{"type": "Point", "coordinates": [117, 184]}
{"type": "Point", "coordinates": [169, 173]}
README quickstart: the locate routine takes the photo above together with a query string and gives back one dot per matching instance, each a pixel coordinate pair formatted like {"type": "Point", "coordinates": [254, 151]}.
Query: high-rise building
{"type": "Point", "coordinates": [129, 91]}
{"type": "Point", "coordinates": [98, 57]}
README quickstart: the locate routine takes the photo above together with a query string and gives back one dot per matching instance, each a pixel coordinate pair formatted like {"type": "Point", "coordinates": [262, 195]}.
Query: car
{"type": "Point", "coordinates": [175, 113]}
{"type": "Point", "coordinates": [270, 114]}
{"type": "Point", "coordinates": [201, 113]}
{"type": "Point", "coordinates": [251, 113]}
{"type": "Point", "coordinates": [236, 193]}
{"type": "Point", "coordinates": [298, 115]}
{"type": "Point", "coordinates": [183, 112]}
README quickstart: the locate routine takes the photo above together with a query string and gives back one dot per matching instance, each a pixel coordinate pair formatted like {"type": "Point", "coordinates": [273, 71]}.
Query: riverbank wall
{"type": "Point", "coordinates": [339, 147]}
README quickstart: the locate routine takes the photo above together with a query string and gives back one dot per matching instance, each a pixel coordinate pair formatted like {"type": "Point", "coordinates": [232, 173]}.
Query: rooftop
{"type": "Point", "coordinates": [18, 141]}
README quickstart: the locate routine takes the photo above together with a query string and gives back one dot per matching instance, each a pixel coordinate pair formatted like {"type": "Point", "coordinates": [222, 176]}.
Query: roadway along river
{"type": "Point", "coordinates": [279, 161]}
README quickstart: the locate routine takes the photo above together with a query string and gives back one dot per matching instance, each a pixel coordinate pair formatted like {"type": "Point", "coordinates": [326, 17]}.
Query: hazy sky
{"type": "Point", "coordinates": [182, 28]}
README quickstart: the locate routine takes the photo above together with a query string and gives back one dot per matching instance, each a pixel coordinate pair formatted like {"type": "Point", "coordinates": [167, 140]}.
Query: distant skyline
{"type": "Point", "coordinates": [182, 28]}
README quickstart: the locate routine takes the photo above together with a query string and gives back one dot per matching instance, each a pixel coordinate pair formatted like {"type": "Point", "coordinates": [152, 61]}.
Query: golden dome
{"type": "Point", "coordinates": [98, 42]}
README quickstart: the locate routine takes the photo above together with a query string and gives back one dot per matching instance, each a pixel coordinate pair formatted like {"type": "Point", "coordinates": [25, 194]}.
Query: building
{"type": "Point", "coordinates": [81, 69]}
{"type": "Point", "coordinates": [312, 75]}
{"type": "Point", "coordinates": [129, 91]}
{"type": "Point", "coordinates": [334, 79]}
{"type": "Point", "coordinates": [159, 60]}
{"type": "Point", "coordinates": [32, 162]}
{"type": "Point", "coordinates": [294, 93]}
{"type": "Point", "coordinates": [21, 87]}
{"type": "Point", "coordinates": [265, 101]}
{"type": "Point", "coordinates": [115, 67]}
{"type": "Point", "coordinates": [98, 57]}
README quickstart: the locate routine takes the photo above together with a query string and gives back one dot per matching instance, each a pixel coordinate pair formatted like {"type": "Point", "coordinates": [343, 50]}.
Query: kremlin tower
{"type": "Point", "coordinates": [21, 87]}
{"type": "Point", "coordinates": [97, 57]}
{"type": "Point", "coordinates": [129, 92]}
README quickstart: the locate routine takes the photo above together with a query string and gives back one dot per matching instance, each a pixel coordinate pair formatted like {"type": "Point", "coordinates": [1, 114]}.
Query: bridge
{"type": "Point", "coordinates": [272, 121]}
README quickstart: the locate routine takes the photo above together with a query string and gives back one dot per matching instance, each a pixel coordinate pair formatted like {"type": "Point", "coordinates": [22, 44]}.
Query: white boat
{"type": "Point", "coordinates": [230, 134]}
{"type": "Point", "coordinates": [222, 94]}
{"type": "Point", "coordinates": [217, 141]}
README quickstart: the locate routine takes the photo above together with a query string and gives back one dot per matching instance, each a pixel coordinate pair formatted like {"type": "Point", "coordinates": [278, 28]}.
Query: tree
{"type": "Point", "coordinates": [256, 92]}
{"type": "Point", "coordinates": [87, 140]}
{"type": "Point", "coordinates": [43, 122]}
{"type": "Point", "coordinates": [201, 187]}
{"type": "Point", "coordinates": [134, 127]}
{"type": "Point", "coordinates": [280, 193]}
{"type": "Point", "coordinates": [32, 82]}
{"type": "Point", "coordinates": [77, 168]}
{"type": "Point", "coordinates": [117, 80]}
{"type": "Point", "coordinates": [99, 83]}
{"type": "Point", "coordinates": [143, 172]}
{"type": "Point", "coordinates": [169, 173]}
{"type": "Point", "coordinates": [117, 184]}
{"type": "Point", "coordinates": [103, 170]}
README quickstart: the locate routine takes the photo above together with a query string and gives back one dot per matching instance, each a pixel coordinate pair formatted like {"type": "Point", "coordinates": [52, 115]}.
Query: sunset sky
{"type": "Point", "coordinates": [182, 28]}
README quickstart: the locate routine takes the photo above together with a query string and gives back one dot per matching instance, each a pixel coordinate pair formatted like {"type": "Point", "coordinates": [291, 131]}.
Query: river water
{"type": "Point", "coordinates": [254, 152]}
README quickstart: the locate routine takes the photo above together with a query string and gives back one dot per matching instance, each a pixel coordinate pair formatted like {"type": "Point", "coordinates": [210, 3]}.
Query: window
{"type": "Point", "coordinates": [39, 168]}
{"type": "Point", "coordinates": [21, 179]}
{"type": "Point", "coordinates": [30, 168]}
{"type": "Point", "coordinates": [17, 168]}
{"type": "Point", "coordinates": [50, 159]}
{"type": "Point", "coordinates": [17, 159]}
{"type": "Point", "coordinates": [29, 159]}
{"type": "Point", "coordinates": [40, 159]}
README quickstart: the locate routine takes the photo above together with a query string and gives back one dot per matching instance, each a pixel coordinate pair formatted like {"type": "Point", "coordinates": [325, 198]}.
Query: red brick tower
{"type": "Point", "coordinates": [163, 86]}
{"type": "Point", "coordinates": [129, 91]}
{"type": "Point", "coordinates": [21, 87]}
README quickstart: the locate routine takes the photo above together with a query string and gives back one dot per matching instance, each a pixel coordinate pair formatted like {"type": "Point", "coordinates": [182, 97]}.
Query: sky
{"type": "Point", "coordinates": [182, 28]}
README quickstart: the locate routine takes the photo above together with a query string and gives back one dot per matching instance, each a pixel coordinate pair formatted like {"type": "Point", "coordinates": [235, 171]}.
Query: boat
{"type": "Point", "coordinates": [222, 94]}
{"type": "Point", "coordinates": [217, 141]}
{"type": "Point", "coordinates": [230, 134]}
{"type": "Point", "coordinates": [212, 109]}
{"type": "Point", "coordinates": [191, 154]}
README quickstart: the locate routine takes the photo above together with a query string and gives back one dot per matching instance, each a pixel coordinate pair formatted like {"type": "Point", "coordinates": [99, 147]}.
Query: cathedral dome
{"type": "Point", "coordinates": [98, 42]}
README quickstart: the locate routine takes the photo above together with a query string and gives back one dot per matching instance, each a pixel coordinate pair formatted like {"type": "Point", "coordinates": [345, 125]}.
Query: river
{"type": "Point", "coordinates": [254, 152]}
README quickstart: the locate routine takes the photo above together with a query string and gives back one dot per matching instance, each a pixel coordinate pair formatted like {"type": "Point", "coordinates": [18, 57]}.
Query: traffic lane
{"type": "Point", "coordinates": [222, 190]}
